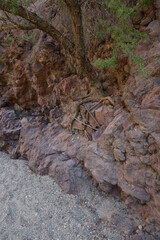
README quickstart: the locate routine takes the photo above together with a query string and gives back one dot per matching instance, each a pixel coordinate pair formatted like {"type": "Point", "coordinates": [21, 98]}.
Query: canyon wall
{"type": "Point", "coordinates": [120, 144]}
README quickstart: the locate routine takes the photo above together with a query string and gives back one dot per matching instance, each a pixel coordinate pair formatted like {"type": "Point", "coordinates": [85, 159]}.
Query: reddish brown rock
{"type": "Point", "coordinates": [104, 114]}
{"type": "Point", "coordinates": [10, 127]}
{"type": "Point", "coordinates": [125, 151]}
{"type": "Point", "coordinates": [49, 156]}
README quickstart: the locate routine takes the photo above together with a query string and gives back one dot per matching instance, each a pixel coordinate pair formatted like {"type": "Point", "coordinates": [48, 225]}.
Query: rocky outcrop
{"type": "Point", "coordinates": [10, 127]}
{"type": "Point", "coordinates": [119, 144]}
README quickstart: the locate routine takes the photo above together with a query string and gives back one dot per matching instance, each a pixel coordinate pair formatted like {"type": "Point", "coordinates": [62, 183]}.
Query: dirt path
{"type": "Point", "coordinates": [33, 207]}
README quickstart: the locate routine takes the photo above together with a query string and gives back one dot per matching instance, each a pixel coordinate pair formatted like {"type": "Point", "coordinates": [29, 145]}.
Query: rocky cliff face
{"type": "Point", "coordinates": [120, 144]}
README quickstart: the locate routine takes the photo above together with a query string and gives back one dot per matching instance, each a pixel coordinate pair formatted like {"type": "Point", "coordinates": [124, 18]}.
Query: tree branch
{"type": "Point", "coordinates": [39, 22]}
{"type": "Point", "coordinates": [17, 25]}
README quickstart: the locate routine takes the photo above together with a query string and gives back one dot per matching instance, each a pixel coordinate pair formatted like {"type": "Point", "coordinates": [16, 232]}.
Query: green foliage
{"type": "Point", "coordinates": [108, 63]}
{"type": "Point", "coordinates": [11, 40]}
{"type": "Point", "coordinates": [61, 2]}
{"type": "Point", "coordinates": [28, 37]}
{"type": "Point", "coordinates": [26, 2]}
{"type": "Point", "coordinates": [14, 6]}
{"type": "Point", "coordinates": [101, 34]}
{"type": "Point", "coordinates": [8, 41]}
{"type": "Point", "coordinates": [2, 56]}
{"type": "Point", "coordinates": [16, 3]}
{"type": "Point", "coordinates": [125, 36]}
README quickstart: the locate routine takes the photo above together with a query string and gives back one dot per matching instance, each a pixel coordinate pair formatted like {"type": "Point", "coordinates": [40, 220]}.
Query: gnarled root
{"type": "Point", "coordinates": [89, 99]}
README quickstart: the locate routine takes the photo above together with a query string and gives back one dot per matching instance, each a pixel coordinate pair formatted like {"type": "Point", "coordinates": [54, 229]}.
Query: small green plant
{"type": "Point", "coordinates": [125, 36]}
{"type": "Point", "coordinates": [101, 34]}
{"type": "Point", "coordinates": [2, 56]}
{"type": "Point", "coordinates": [28, 37]}
{"type": "Point", "coordinates": [8, 41]}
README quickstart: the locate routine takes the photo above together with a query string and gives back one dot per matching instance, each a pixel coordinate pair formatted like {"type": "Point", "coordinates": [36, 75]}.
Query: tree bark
{"type": "Point", "coordinates": [75, 12]}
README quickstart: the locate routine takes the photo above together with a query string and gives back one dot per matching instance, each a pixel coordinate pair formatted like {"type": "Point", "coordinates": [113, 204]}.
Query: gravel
{"type": "Point", "coordinates": [33, 207]}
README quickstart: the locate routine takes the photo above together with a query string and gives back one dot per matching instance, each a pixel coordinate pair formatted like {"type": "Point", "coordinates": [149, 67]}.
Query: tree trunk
{"type": "Point", "coordinates": [75, 13]}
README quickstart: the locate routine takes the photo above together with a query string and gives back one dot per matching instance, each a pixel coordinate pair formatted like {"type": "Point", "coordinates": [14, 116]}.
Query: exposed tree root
{"type": "Point", "coordinates": [90, 99]}
{"type": "Point", "coordinates": [90, 113]}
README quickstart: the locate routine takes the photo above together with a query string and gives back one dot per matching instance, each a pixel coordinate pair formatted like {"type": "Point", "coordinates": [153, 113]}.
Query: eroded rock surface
{"type": "Point", "coordinates": [10, 127]}
{"type": "Point", "coordinates": [120, 148]}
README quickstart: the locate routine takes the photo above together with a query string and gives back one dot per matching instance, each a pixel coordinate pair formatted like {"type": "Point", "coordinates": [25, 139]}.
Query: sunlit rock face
{"type": "Point", "coordinates": [39, 88]}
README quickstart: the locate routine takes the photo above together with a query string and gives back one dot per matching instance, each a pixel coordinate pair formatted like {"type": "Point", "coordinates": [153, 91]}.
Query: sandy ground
{"type": "Point", "coordinates": [33, 207]}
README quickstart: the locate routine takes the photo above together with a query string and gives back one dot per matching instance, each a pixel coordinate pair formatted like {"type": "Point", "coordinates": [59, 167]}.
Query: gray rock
{"type": "Point", "coordinates": [128, 226]}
